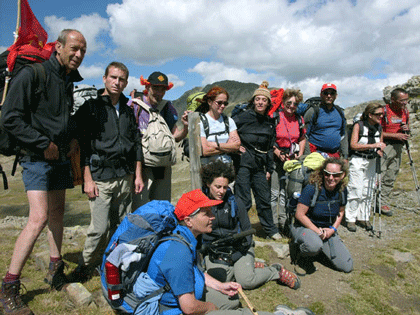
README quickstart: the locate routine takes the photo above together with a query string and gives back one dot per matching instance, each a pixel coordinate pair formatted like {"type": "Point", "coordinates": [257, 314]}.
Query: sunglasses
{"type": "Point", "coordinates": [335, 175]}
{"type": "Point", "coordinates": [220, 103]}
{"type": "Point", "coordinates": [378, 114]}
{"type": "Point", "coordinates": [292, 103]}
{"type": "Point", "coordinates": [329, 92]}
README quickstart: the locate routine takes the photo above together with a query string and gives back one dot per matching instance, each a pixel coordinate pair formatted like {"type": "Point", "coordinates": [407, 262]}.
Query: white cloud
{"type": "Point", "coordinates": [91, 72]}
{"type": "Point", "coordinates": [300, 40]}
{"type": "Point", "coordinates": [352, 90]}
{"type": "Point", "coordinates": [91, 26]}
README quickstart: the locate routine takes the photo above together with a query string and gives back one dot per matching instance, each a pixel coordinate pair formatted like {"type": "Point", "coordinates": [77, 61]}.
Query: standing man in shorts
{"type": "Point", "coordinates": [44, 127]}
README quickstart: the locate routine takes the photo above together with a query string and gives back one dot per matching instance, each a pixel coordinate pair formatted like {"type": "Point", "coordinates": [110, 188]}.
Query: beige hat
{"type": "Point", "coordinates": [263, 90]}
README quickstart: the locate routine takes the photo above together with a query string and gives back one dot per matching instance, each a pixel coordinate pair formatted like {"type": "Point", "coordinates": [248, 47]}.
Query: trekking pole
{"type": "Point", "coordinates": [379, 174]}
{"type": "Point", "coordinates": [413, 171]}
{"type": "Point", "coordinates": [250, 306]}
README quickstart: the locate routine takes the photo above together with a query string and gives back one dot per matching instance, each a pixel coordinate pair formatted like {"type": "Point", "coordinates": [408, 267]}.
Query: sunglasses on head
{"type": "Point", "coordinates": [220, 103]}
{"type": "Point", "coordinates": [329, 92]}
{"type": "Point", "coordinates": [335, 175]}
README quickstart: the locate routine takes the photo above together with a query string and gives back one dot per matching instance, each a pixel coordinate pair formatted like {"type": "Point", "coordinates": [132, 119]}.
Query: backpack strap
{"type": "Point", "coordinates": [206, 126]}
{"type": "Point", "coordinates": [205, 123]}
{"type": "Point", "coordinates": [131, 299]}
{"type": "Point", "coordinates": [40, 77]}
{"type": "Point", "coordinates": [315, 196]}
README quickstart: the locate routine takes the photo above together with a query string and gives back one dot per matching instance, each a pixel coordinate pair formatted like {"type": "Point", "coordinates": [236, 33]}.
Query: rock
{"type": "Point", "coordinates": [42, 260]}
{"type": "Point", "coordinates": [78, 294]}
{"type": "Point", "coordinates": [281, 249]}
{"type": "Point", "coordinates": [403, 257]}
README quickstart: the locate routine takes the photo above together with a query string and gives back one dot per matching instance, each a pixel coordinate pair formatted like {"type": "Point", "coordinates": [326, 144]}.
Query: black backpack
{"type": "Point", "coordinates": [9, 145]}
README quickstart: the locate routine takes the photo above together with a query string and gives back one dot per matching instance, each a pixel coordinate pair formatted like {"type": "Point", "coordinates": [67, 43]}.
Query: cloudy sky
{"type": "Point", "coordinates": [361, 46]}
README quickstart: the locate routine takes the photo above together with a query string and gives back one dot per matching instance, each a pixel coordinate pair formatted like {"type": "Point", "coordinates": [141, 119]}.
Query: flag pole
{"type": "Point", "coordinates": [9, 75]}
{"type": "Point", "coordinates": [16, 34]}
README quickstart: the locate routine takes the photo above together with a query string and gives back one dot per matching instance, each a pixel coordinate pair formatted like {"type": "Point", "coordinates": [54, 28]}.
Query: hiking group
{"type": "Point", "coordinates": [296, 165]}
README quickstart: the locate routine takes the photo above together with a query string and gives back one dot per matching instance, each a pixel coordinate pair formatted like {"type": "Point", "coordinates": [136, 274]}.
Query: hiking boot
{"type": "Point", "coordinates": [285, 310]}
{"type": "Point", "coordinates": [81, 273]}
{"type": "Point", "coordinates": [366, 225]}
{"type": "Point", "coordinates": [351, 226]}
{"type": "Point", "coordinates": [11, 299]}
{"type": "Point", "coordinates": [55, 276]}
{"type": "Point", "coordinates": [287, 277]}
{"type": "Point", "coordinates": [304, 266]}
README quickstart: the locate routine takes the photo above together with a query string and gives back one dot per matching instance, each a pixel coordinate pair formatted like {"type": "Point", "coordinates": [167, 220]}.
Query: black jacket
{"type": "Point", "coordinates": [36, 121]}
{"type": "Point", "coordinates": [110, 144]}
{"type": "Point", "coordinates": [230, 221]}
{"type": "Point", "coordinates": [257, 133]}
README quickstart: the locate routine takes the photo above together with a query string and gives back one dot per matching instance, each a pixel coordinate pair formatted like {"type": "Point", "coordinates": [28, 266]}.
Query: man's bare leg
{"type": "Point", "coordinates": [38, 218]}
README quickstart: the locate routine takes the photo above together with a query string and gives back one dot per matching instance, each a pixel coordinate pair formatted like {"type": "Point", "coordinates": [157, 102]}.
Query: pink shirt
{"type": "Point", "coordinates": [287, 130]}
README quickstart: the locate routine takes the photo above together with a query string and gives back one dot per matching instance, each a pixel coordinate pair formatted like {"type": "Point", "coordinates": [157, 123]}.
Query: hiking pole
{"type": "Point", "coordinates": [378, 171]}
{"type": "Point", "coordinates": [413, 170]}
{"type": "Point", "coordinates": [250, 306]}
{"type": "Point", "coordinates": [377, 197]}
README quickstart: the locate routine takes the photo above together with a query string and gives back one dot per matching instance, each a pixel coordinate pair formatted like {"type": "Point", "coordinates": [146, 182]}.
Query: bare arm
{"type": "Point", "coordinates": [211, 148]}
{"type": "Point", "coordinates": [138, 180]}
{"type": "Point", "coordinates": [354, 145]}
{"type": "Point", "coordinates": [301, 211]}
{"type": "Point", "coordinates": [191, 306]}
{"type": "Point", "coordinates": [90, 189]}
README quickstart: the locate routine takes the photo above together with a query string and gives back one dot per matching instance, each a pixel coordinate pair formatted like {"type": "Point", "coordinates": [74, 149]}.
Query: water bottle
{"type": "Point", "coordinates": [112, 277]}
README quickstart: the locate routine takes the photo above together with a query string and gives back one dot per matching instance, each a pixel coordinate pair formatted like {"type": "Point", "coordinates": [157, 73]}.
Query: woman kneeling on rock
{"type": "Point", "coordinates": [234, 260]}
{"type": "Point", "coordinates": [319, 213]}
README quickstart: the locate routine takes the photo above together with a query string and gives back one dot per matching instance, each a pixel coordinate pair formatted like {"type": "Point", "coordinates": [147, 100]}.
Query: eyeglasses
{"type": "Point", "coordinates": [335, 175]}
{"type": "Point", "coordinates": [378, 114]}
{"type": "Point", "coordinates": [329, 92]}
{"type": "Point", "coordinates": [220, 103]}
{"type": "Point", "coordinates": [292, 103]}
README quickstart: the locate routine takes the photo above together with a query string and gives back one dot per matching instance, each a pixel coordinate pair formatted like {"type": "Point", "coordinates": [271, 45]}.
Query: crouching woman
{"type": "Point", "coordinates": [319, 213]}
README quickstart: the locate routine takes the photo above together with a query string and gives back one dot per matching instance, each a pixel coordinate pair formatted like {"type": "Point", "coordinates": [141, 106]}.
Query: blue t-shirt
{"type": "Point", "coordinates": [327, 207]}
{"type": "Point", "coordinates": [327, 132]}
{"type": "Point", "coordinates": [175, 263]}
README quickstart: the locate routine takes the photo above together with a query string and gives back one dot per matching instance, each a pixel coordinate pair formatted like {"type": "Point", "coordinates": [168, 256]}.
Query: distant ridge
{"type": "Point", "coordinates": [239, 92]}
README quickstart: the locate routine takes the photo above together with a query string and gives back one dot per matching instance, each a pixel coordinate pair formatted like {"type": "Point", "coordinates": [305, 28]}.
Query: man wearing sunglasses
{"type": "Point", "coordinates": [395, 124]}
{"type": "Point", "coordinates": [326, 126]}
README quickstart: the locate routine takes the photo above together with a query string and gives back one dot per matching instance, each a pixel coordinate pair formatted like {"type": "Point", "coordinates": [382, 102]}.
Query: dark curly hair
{"type": "Point", "coordinates": [216, 169]}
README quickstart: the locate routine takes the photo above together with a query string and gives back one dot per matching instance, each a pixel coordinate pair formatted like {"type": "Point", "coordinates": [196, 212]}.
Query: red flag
{"type": "Point", "coordinates": [276, 100]}
{"type": "Point", "coordinates": [31, 42]}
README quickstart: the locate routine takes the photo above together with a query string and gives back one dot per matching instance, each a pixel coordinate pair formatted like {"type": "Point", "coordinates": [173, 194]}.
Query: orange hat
{"type": "Point", "coordinates": [191, 202]}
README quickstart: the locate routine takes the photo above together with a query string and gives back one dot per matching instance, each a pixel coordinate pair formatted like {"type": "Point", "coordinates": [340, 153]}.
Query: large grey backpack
{"type": "Point", "coordinates": [159, 148]}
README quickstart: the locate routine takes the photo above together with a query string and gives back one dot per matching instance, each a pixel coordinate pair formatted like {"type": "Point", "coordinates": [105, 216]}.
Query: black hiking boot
{"type": "Point", "coordinates": [11, 299]}
{"type": "Point", "coordinates": [55, 276]}
{"type": "Point", "coordinates": [82, 274]}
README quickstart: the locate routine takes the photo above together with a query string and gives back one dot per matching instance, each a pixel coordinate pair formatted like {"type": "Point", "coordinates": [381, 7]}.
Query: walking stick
{"type": "Point", "coordinates": [377, 199]}
{"type": "Point", "coordinates": [413, 171]}
{"type": "Point", "coordinates": [251, 307]}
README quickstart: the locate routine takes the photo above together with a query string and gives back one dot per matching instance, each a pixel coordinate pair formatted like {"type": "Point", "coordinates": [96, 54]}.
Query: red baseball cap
{"type": "Point", "coordinates": [327, 86]}
{"type": "Point", "coordinates": [191, 202]}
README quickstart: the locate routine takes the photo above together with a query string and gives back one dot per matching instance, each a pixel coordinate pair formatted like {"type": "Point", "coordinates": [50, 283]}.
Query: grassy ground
{"type": "Point", "coordinates": [385, 279]}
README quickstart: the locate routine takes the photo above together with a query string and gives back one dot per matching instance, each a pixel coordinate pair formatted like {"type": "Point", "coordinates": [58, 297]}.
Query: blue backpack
{"type": "Point", "coordinates": [128, 254]}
